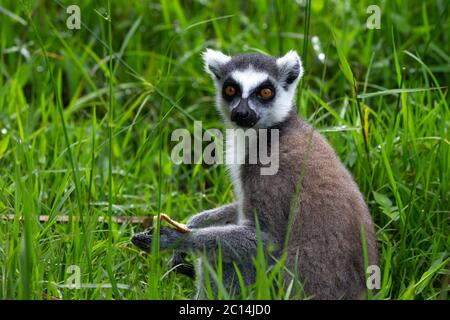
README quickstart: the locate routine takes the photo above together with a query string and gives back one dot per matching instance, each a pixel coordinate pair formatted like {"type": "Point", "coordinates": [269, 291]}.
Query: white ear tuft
{"type": "Point", "coordinates": [290, 67]}
{"type": "Point", "coordinates": [214, 61]}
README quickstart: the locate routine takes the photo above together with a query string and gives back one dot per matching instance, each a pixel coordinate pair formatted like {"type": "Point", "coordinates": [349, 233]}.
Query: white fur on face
{"type": "Point", "coordinates": [285, 98]}
{"type": "Point", "coordinates": [279, 111]}
{"type": "Point", "coordinates": [249, 79]}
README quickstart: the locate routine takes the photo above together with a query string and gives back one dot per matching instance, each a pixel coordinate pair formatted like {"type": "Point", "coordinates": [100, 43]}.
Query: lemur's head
{"type": "Point", "coordinates": [254, 90]}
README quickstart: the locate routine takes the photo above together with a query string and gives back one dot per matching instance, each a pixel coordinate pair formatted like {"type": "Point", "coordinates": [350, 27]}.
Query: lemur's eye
{"type": "Point", "coordinates": [230, 91]}
{"type": "Point", "coordinates": [266, 93]}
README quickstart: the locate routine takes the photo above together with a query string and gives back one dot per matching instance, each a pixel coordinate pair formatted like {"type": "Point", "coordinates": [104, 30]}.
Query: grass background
{"type": "Point", "coordinates": [87, 136]}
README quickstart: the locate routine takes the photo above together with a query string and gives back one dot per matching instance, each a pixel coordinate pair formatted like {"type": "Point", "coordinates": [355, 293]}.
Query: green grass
{"type": "Point", "coordinates": [87, 136]}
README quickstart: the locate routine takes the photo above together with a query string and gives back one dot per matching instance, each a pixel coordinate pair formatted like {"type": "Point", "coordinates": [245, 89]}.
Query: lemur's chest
{"type": "Point", "coordinates": [240, 150]}
{"type": "Point", "coordinates": [233, 159]}
{"type": "Point", "coordinates": [252, 165]}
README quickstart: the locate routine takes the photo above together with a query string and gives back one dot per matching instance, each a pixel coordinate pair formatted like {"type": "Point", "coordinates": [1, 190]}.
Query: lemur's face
{"type": "Point", "coordinates": [254, 90]}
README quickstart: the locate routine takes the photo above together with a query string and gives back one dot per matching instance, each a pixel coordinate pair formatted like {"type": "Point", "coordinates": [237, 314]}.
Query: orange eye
{"type": "Point", "coordinates": [230, 91]}
{"type": "Point", "coordinates": [266, 93]}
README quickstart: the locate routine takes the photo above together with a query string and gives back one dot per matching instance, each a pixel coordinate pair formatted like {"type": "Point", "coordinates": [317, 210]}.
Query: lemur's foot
{"type": "Point", "coordinates": [180, 265]}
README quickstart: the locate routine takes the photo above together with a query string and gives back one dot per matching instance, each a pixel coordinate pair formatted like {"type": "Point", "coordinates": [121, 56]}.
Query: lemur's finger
{"type": "Point", "coordinates": [178, 226]}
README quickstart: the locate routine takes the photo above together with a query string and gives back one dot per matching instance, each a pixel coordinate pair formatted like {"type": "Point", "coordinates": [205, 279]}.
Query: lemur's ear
{"type": "Point", "coordinates": [214, 61]}
{"type": "Point", "coordinates": [290, 68]}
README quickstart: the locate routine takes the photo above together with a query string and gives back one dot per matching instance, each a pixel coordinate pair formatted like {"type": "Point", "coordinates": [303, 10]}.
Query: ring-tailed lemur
{"type": "Point", "coordinates": [311, 185]}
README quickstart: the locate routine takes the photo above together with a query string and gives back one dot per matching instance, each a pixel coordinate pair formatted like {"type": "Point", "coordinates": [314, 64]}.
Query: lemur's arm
{"type": "Point", "coordinates": [236, 241]}
{"type": "Point", "coordinates": [218, 216]}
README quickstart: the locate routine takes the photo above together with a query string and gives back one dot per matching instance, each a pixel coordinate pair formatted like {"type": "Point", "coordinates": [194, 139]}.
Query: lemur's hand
{"type": "Point", "coordinates": [168, 238]}
{"type": "Point", "coordinates": [143, 240]}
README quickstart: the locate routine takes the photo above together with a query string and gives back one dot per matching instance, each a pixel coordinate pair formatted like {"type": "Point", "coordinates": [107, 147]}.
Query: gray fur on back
{"type": "Point", "coordinates": [329, 213]}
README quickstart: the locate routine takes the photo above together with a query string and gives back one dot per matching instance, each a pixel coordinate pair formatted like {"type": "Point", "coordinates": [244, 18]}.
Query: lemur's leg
{"type": "Point", "coordinates": [218, 216]}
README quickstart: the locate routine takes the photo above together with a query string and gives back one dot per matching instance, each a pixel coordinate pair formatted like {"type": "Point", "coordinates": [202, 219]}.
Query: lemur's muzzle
{"type": "Point", "coordinates": [243, 116]}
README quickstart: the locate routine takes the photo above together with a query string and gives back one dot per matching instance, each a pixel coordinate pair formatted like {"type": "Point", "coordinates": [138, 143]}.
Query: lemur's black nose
{"type": "Point", "coordinates": [243, 116]}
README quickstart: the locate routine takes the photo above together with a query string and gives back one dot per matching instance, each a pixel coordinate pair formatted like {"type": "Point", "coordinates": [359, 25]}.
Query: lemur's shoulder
{"type": "Point", "coordinates": [298, 138]}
